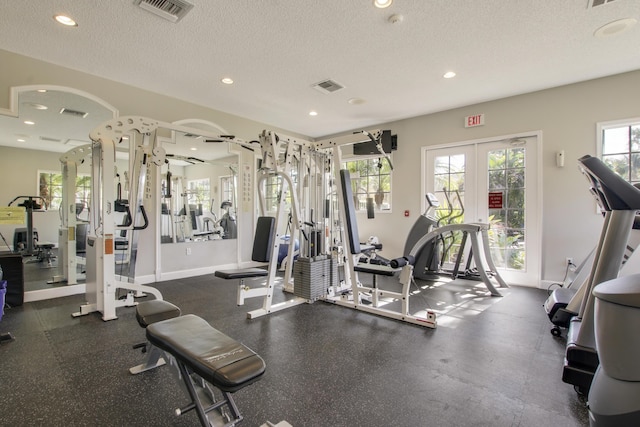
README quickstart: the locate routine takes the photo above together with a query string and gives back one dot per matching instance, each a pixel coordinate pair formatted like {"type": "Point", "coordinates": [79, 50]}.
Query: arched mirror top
{"type": "Point", "coordinates": [52, 118]}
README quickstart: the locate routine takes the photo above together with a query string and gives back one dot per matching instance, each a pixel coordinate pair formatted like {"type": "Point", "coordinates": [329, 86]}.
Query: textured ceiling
{"type": "Point", "coordinates": [275, 50]}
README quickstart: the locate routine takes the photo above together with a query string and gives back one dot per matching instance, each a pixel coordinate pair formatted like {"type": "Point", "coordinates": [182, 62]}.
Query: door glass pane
{"type": "Point", "coordinates": [449, 189]}
{"type": "Point", "coordinates": [507, 236]}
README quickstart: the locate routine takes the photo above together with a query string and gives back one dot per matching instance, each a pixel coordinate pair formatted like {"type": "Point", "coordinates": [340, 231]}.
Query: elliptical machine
{"type": "Point", "coordinates": [428, 259]}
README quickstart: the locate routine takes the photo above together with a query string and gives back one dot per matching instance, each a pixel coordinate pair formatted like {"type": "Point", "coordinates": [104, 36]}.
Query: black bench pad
{"type": "Point", "coordinates": [242, 273]}
{"type": "Point", "coordinates": [153, 311]}
{"type": "Point", "coordinates": [380, 270]}
{"type": "Point", "coordinates": [218, 359]}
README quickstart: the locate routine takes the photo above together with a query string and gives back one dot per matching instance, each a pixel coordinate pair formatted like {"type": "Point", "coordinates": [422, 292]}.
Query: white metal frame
{"type": "Point", "coordinates": [102, 282]}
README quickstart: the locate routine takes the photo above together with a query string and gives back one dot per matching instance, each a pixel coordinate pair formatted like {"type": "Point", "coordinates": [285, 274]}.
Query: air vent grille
{"type": "Point", "coordinates": [595, 3]}
{"type": "Point", "coordinates": [171, 10]}
{"type": "Point", "coordinates": [74, 113]}
{"type": "Point", "coordinates": [328, 86]}
{"type": "Point", "coordinates": [50, 139]}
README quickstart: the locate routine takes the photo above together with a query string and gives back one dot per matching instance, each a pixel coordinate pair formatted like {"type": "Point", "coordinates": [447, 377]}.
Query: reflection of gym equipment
{"type": "Point", "coordinates": [25, 243]}
{"type": "Point", "coordinates": [20, 238]}
{"type": "Point", "coordinates": [72, 235]}
{"type": "Point", "coordinates": [620, 201]}
{"type": "Point", "coordinates": [228, 221]}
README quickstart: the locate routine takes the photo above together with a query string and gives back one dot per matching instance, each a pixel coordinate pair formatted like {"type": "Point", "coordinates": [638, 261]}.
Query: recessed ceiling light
{"type": "Point", "coordinates": [449, 75]}
{"type": "Point", "coordinates": [356, 101]}
{"type": "Point", "coordinates": [42, 90]}
{"type": "Point", "coordinates": [65, 20]}
{"type": "Point", "coordinates": [382, 3]}
{"type": "Point", "coordinates": [21, 140]}
{"type": "Point", "coordinates": [227, 81]}
{"type": "Point", "coordinates": [29, 122]}
{"type": "Point", "coordinates": [313, 113]}
{"type": "Point", "coordinates": [193, 149]}
{"type": "Point", "coordinates": [39, 106]}
{"type": "Point", "coordinates": [615, 27]}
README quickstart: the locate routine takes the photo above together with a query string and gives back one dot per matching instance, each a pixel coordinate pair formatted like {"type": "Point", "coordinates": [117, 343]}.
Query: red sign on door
{"type": "Point", "coordinates": [496, 200]}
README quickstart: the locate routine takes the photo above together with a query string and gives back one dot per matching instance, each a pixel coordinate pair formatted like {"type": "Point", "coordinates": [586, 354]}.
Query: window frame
{"type": "Point", "coordinates": [193, 198]}
{"type": "Point", "coordinates": [367, 158]}
{"type": "Point", "coordinates": [615, 124]}
{"type": "Point", "coordinates": [85, 189]}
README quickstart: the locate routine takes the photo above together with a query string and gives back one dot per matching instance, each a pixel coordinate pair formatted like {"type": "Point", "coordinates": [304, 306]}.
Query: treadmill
{"type": "Point", "coordinates": [619, 200]}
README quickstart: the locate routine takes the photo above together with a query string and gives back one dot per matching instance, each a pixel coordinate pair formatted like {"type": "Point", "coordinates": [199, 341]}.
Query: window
{"type": "Point", "coordinates": [198, 191]}
{"type": "Point", "coordinates": [370, 178]}
{"type": "Point", "coordinates": [620, 145]}
{"type": "Point", "coordinates": [507, 176]}
{"type": "Point", "coordinates": [227, 188]}
{"type": "Point", "coordinates": [273, 189]}
{"type": "Point", "coordinates": [50, 189]}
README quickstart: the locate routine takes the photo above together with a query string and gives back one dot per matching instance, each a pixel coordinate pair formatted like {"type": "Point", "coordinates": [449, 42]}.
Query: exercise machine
{"type": "Point", "coordinates": [564, 302]}
{"type": "Point", "coordinates": [72, 234]}
{"type": "Point", "coordinates": [210, 364]}
{"type": "Point", "coordinates": [145, 155]}
{"type": "Point", "coordinates": [614, 396]}
{"type": "Point", "coordinates": [102, 283]}
{"type": "Point", "coordinates": [428, 260]}
{"type": "Point", "coordinates": [620, 201]}
{"type": "Point", "coordinates": [426, 244]}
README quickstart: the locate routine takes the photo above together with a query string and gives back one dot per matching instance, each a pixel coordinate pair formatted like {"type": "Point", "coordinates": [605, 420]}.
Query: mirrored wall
{"type": "Point", "coordinates": [43, 124]}
{"type": "Point", "coordinates": [199, 184]}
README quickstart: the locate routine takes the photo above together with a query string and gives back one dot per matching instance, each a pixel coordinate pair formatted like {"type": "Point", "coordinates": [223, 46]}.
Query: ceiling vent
{"type": "Point", "coordinates": [190, 135]}
{"type": "Point", "coordinates": [595, 3]}
{"type": "Point", "coordinates": [328, 86]}
{"type": "Point", "coordinates": [47, 138]}
{"type": "Point", "coordinates": [171, 10]}
{"type": "Point", "coordinates": [74, 113]}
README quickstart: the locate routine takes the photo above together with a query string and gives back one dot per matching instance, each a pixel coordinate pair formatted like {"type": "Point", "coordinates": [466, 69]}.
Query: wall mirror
{"type": "Point", "coordinates": [199, 198]}
{"type": "Point", "coordinates": [43, 123]}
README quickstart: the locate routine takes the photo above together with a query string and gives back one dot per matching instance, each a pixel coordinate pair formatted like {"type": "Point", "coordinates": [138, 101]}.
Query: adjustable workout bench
{"type": "Point", "coordinates": [149, 312]}
{"type": "Point", "coordinates": [206, 360]}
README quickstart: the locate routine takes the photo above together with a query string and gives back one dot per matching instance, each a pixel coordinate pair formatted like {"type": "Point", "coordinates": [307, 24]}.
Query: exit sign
{"type": "Point", "coordinates": [472, 121]}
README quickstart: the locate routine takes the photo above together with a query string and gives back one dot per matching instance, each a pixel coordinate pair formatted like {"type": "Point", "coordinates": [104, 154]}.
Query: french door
{"type": "Point", "coordinates": [491, 181]}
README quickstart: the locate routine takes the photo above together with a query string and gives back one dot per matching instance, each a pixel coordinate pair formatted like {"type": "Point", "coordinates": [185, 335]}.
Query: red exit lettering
{"type": "Point", "coordinates": [471, 121]}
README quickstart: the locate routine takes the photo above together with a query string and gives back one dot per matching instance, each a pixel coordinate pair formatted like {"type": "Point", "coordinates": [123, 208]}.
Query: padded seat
{"type": "Point", "coordinates": [218, 359]}
{"type": "Point", "coordinates": [147, 313]}
{"type": "Point", "coordinates": [375, 269]}
{"type": "Point", "coordinates": [242, 273]}
{"type": "Point", "coordinates": [153, 311]}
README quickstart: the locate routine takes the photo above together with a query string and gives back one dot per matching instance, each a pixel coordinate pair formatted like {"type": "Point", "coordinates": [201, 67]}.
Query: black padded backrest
{"type": "Point", "coordinates": [263, 240]}
{"type": "Point", "coordinates": [350, 211]}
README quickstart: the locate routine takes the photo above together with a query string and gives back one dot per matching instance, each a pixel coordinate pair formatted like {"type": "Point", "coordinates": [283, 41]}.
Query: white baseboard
{"type": "Point", "coordinates": [56, 292]}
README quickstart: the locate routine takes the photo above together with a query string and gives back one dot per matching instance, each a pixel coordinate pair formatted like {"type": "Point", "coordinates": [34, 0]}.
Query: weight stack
{"type": "Point", "coordinates": [312, 277]}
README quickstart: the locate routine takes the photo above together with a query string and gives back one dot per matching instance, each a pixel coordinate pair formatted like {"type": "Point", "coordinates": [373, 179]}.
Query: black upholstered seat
{"type": "Point", "coordinates": [241, 273]}
{"type": "Point", "coordinates": [153, 311]}
{"type": "Point", "coordinates": [218, 359]}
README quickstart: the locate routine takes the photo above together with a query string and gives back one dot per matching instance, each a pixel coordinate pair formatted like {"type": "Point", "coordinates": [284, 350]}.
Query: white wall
{"type": "Point", "coordinates": [567, 117]}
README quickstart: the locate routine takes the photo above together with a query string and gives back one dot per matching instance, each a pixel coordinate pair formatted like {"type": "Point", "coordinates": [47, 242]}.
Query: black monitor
{"type": "Point", "coordinates": [389, 144]}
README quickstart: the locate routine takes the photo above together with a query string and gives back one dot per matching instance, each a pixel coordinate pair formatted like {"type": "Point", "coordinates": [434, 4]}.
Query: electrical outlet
{"type": "Point", "coordinates": [189, 251]}
{"type": "Point", "coordinates": [568, 261]}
